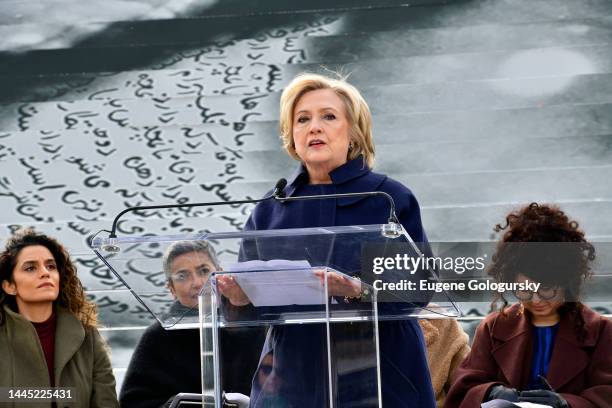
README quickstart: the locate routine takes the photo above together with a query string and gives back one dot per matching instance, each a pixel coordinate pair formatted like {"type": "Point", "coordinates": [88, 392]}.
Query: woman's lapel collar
{"type": "Point", "coordinates": [569, 357]}
{"type": "Point", "coordinates": [298, 178]}
{"type": "Point", "coordinates": [69, 336]}
{"type": "Point", "coordinates": [350, 170]}
{"type": "Point", "coordinates": [514, 332]}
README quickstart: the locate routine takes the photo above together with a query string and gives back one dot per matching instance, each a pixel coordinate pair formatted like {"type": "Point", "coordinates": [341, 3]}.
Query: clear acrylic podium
{"type": "Point", "coordinates": [314, 288]}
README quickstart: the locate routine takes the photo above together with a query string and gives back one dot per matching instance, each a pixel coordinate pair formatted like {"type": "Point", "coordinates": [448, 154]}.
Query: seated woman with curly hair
{"type": "Point", "coordinates": [549, 348]}
{"type": "Point", "coordinates": [48, 335]}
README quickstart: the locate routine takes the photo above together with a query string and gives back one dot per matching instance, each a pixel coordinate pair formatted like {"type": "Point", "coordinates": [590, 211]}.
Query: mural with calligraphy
{"type": "Point", "coordinates": [189, 128]}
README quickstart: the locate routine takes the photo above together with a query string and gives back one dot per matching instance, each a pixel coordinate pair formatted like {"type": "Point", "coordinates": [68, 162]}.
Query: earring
{"type": "Point", "coordinates": [350, 145]}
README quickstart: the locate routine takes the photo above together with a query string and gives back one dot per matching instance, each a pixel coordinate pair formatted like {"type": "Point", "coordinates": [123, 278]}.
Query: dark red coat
{"type": "Point", "coordinates": [581, 371]}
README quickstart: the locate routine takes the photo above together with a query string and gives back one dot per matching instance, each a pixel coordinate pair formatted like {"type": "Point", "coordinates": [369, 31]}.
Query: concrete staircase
{"type": "Point", "coordinates": [479, 106]}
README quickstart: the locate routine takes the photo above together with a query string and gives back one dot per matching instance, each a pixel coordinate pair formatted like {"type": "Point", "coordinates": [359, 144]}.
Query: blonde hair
{"type": "Point", "coordinates": [357, 111]}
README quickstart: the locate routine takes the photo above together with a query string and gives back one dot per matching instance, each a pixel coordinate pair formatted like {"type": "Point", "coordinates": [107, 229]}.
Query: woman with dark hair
{"type": "Point", "coordinates": [48, 335]}
{"type": "Point", "coordinates": [166, 362]}
{"type": "Point", "coordinates": [549, 348]}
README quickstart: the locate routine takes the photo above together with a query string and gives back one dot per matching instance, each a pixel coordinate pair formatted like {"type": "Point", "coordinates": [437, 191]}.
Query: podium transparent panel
{"type": "Point", "coordinates": [338, 337]}
{"type": "Point", "coordinates": [318, 292]}
{"type": "Point", "coordinates": [165, 272]}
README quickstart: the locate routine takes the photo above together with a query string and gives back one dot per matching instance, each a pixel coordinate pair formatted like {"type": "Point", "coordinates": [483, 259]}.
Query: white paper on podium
{"type": "Point", "coordinates": [278, 282]}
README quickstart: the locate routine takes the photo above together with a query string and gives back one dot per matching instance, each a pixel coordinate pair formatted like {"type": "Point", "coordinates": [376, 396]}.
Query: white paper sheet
{"type": "Point", "coordinates": [278, 282]}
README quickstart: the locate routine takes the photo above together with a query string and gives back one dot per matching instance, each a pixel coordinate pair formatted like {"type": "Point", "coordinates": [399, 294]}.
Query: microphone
{"type": "Point", "coordinates": [111, 246]}
{"type": "Point", "coordinates": [278, 189]}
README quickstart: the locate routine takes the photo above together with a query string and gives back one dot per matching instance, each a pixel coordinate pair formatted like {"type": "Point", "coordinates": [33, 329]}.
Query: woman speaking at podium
{"type": "Point", "coordinates": [326, 126]}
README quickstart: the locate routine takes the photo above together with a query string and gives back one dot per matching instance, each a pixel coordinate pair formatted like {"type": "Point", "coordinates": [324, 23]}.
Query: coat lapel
{"type": "Point", "coordinates": [569, 357]}
{"type": "Point", "coordinates": [514, 332]}
{"type": "Point", "coordinates": [69, 336]}
{"type": "Point", "coordinates": [24, 342]}
{"type": "Point", "coordinates": [351, 170]}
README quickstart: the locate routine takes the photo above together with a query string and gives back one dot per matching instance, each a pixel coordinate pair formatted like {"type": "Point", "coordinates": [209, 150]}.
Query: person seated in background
{"type": "Point", "coordinates": [548, 349]}
{"type": "Point", "coordinates": [267, 382]}
{"type": "Point", "coordinates": [48, 335]}
{"type": "Point", "coordinates": [447, 346]}
{"type": "Point", "coordinates": [167, 362]}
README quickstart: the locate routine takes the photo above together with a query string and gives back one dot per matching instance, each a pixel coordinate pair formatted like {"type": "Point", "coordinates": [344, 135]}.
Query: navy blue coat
{"type": "Point", "coordinates": [299, 351]}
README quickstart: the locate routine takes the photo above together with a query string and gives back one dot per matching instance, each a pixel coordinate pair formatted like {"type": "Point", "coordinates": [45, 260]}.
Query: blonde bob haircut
{"type": "Point", "coordinates": [357, 111]}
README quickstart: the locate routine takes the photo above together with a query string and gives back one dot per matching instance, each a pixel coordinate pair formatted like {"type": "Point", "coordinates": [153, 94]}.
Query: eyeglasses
{"type": "Point", "coordinates": [184, 276]}
{"type": "Point", "coordinates": [544, 293]}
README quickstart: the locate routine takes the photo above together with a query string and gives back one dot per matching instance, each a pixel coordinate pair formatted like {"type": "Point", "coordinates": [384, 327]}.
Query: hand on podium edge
{"type": "Point", "coordinates": [229, 288]}
{"type": "Point", "coordinates": [339, 285]}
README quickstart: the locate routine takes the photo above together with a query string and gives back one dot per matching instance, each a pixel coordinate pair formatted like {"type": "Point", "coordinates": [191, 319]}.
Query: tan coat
{"type": "Point", "coordinates": [81, 361]}
{"type": "Point", "coordinates": [447, 346]}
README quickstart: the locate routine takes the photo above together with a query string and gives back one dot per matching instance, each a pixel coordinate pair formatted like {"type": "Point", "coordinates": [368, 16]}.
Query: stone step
{"type": "Point", "coordinates": [452, 40]}
{"type": "Point", "coordinates": [166, 177]}
{"type": "Point", "coordinates": [182, 28]}
{"type": "Point", "coordinates": [185, 140]}
{"type": "Point", "coordinates": [118, 11]}
{"type": "Point", "coordinates": [66, 11]}
{"type": "Point", "coordinates": [218, 78]}
{"type": "Point", "coordinates": [301, 46]}
{"type": "Point", "coordinates": [476, 223]}
{"type": "Point", "coordinates": [438, 191]}
{"type": "Point", "coordinates": [434, 190]}
{"type": "Point", "coordinates": [199, 26]}
{"type": "Point", "coordinates": [518, 124]}
{"type": "Point", "coordinates": [267, 48]}
{"type": "Point", "coordinates": [463, 157]}
{"type": "Point", "coordinates": [483, 96]}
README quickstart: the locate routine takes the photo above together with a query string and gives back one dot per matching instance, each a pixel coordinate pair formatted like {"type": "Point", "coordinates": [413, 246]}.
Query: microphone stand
{"type": "Point", "coordinates": [391, 230]}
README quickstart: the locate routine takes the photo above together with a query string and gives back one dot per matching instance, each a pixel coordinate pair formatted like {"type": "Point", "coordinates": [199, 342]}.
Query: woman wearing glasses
{"type": "Point", "coordinates": [167, 362]}
{"type": "Point", "coordinates": [548, 348]}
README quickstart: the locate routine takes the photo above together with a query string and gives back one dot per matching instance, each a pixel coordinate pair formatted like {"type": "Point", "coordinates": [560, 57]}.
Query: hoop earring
{"type": "Point", "coordinates": [350, 146]}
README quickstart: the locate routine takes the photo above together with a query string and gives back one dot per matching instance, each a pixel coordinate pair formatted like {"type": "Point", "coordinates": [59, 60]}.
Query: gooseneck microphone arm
{"type": "Point", "coordinates": [392, 217]}
{"type": "Point", "coordinates": [277, 194]}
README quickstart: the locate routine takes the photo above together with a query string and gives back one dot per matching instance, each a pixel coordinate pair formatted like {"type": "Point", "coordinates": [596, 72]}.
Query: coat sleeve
{"type": "Point", "coordinates": [248, 247]}
{"type": "Point", "coordinates": [103, 393]}
{"type": "Point", "coordinates": [598, 392]}
{"type": "Point", "coordinates": [476, 374]}
{"type": "Point", "coordinates": [461, 350]}
{"type": "Point", "coordinates": [410, 217]}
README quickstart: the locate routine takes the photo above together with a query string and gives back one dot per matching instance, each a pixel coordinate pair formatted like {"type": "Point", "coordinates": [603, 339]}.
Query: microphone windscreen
{"type": "Point", "coordinates": [279, 187]}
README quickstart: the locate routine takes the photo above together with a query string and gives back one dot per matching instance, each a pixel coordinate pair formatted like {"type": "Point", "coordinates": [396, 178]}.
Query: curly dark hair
{"type": "Point", "coordinates": [71, 295]}
{"type": "Point", "coordinates": [565, 265]}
